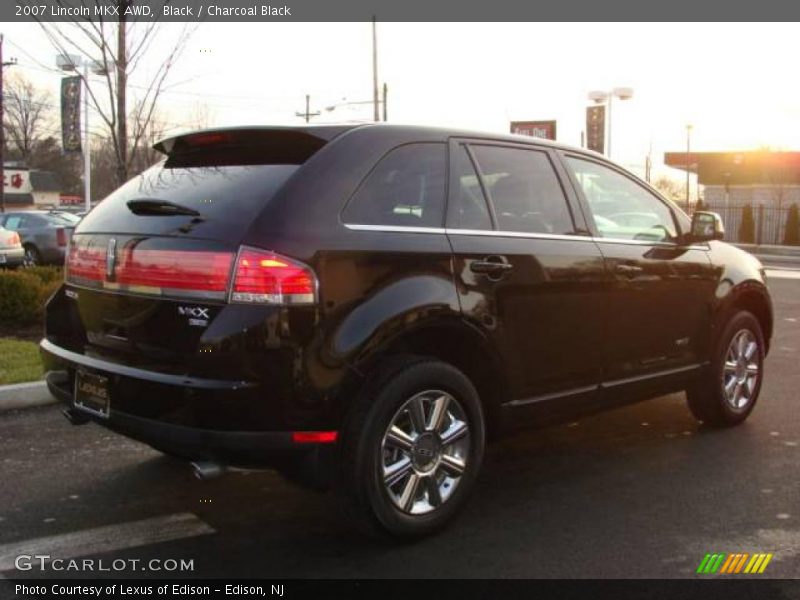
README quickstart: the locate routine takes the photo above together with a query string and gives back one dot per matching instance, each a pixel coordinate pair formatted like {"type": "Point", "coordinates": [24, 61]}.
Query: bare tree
{"type": "Point", "coordinates": [25, 114]}
{"type": "Point", "coordinates": [674, 190]}
{"type": "Point", "coordinates": [120, 49]}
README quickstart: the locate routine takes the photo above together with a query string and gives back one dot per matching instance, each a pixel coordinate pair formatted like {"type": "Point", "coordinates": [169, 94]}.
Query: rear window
{"type": "Point", "coordinates": [405, 189]}
{"type": "Point", "coordinates": [221, 195]}
{"type": "Point", "coordinates": [63, 219]}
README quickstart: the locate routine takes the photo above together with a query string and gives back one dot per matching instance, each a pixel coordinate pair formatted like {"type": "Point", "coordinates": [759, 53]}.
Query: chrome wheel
{"type": "Point", "coordinates": [424, 452]}
{"type": "Point", "coordinates": [741, 371]}
{"type": "Point", "coordinates": [31, 258]}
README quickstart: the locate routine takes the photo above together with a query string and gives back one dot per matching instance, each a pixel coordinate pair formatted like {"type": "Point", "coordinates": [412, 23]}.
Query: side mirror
{"type": "Point", "coordinates": [706, 226]}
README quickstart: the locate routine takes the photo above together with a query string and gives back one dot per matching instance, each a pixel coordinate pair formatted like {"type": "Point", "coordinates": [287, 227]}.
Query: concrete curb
{"type": "Point", "coordinates": [24, 395]}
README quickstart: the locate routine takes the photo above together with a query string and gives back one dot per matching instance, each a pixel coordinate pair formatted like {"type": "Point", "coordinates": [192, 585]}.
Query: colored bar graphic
{"type": "Point", "coordinates": [738, 562]}
{"type": "Point", "coordinates": [764, 564]}
{"type": "Point", "coordinates": [703, 563]}
{"type": "Point", "coordinates": [727, 564]}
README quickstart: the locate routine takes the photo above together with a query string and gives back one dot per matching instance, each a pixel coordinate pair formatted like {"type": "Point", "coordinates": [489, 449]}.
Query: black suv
{"type": "Point", "coordinates": [363, 306]}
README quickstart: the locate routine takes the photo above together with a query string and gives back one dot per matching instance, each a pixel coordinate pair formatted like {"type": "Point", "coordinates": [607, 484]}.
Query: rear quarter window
{"type": "Point", "coordinates": [406, 188]}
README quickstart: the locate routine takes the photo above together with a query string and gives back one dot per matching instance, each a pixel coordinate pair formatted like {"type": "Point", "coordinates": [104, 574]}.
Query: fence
{"type": "Point", "coordinates": [770, 222]}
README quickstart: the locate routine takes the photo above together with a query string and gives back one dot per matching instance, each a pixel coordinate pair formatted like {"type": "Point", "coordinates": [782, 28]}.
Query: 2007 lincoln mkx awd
{"type": "Point", "coordinates": [361, 307]}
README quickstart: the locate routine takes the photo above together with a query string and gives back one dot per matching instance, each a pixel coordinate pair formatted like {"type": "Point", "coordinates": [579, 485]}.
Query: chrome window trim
{"type": "Point", "coordinates": [518, 234]}
{"type": "Point", "coordinates": [394, 228]}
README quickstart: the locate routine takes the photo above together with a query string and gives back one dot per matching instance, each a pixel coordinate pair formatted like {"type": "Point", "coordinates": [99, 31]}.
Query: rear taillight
{"type": "Point", "coordinates": [61, 237]}
{"type": "Point", "coordinates": [13, 239]}
{"type": "Point", "coordinates": [267, 278]}
{"type": "Point", "coordinates": [259, 276]}
{"type": "Point", "coordinates": [85, 263]}
{"type": "Point", "coordinates": [174, 270]}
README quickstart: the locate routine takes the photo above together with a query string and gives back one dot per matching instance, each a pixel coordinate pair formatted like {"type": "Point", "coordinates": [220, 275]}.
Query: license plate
{"type": "Point", "coordinates": [92, 393]}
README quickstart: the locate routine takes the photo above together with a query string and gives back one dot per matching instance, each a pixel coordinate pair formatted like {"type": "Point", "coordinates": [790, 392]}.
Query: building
{"type": "Point", "coordinates": [29, 189]}
{"type": "Point", "coordinates": [767, 182]}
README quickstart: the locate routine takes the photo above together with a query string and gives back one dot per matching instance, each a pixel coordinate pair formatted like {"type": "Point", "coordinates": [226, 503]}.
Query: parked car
{"type": "Point", "coordinates": [11, 253]}
{"type": "Point", "coordinates": [363, 307]}
{"type": "Point", "coordinates": [45, 234]}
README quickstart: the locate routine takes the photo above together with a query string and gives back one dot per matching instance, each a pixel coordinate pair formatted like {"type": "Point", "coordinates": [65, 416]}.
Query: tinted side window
{"type": "Point", "coordinates": [467, 208]}
{"type": "Point", "coordinates": [622, 208]}
{"type": "Point", "coordinates": [524, 190]}
{"type": "Point", "coordinates": [13, 222]}
{"type": "Point", "coordinates": [405, 189]}
{"type": "Point", "coordinates": [35, 221]}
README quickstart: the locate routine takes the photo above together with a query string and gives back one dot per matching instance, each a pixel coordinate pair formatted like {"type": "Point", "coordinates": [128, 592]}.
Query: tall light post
{"type": "Point", "coordinates": [3, 64]}
{"type": "Point", "coordinates": [607, 97]}
{"type": "Point", "coordinates": [71, 62]}
{"type": "Point", "coordinates": [688, 158]}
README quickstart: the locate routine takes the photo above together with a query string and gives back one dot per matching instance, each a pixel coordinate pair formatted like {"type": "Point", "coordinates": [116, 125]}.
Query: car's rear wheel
{"type": "Point", "coordinates": [728, 394]}
{"type": "Point", "coordinates": [411, 448]}
{"type": "Point", "coordinates": [32, 257]}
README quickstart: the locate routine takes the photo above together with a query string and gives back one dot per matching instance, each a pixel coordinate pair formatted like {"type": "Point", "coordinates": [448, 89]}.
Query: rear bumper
{"type": "Point", "coordinates": [11, 257]}
{"type": "Point", "coordinates": [138, 391]}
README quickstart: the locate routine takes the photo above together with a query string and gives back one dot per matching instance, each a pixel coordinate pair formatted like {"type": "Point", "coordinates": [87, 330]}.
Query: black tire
{"type": "Point", "coordinates": [32, 256]}
{"type": "Point", "coordinates": [360, 485]}
{"type": "Point", "coordinates": [708, 399]}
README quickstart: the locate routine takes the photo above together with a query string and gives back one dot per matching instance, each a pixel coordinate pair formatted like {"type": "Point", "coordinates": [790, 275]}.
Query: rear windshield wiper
{"type": "Point", "coordinates": [150, 206]}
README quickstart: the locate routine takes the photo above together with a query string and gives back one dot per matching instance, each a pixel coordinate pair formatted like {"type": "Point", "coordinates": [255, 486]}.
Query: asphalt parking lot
{"type": "Point", "coordinates": [642, 491]}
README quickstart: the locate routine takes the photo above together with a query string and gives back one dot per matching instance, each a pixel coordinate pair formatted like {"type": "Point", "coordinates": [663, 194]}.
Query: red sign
{"type": "Point", "coordinates": [16, 182]}
{"type": "Point", "coordinates": [538, 129]}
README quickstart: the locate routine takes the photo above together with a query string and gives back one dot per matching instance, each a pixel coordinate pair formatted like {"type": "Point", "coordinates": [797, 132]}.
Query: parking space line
{"type": "Point", "coordinates": [109, 538]}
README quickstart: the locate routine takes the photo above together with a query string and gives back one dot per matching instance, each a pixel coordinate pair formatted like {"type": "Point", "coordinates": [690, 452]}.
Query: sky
{"type": "Point", "coordinates": [734, 83]}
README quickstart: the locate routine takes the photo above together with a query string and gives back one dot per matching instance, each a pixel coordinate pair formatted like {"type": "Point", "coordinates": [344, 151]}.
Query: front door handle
{"type": "Point", "coordinates": [493, 266]}
{"type": "Point", "coordinates": [629, 270]}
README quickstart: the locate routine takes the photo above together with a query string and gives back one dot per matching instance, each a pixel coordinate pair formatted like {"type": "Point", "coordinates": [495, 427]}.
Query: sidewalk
{"type": "Point", "coordinates": [784, 254]}
{"type": "Point", "coordinates": [24, 395]}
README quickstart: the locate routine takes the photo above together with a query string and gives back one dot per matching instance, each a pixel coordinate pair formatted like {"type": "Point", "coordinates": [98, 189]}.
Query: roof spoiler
{"type": "Point", "coordinates": [247, 137]}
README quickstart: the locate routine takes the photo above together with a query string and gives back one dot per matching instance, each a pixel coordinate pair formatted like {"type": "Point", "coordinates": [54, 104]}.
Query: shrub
{"type": "Point", "coordinates": [47, 275]}
{"type": "Point", "coordinates": [792, 235]}
{"type": "Point", "coordinates": [747, 229]}
{"type": "Point", "coordinates": [20, 297]}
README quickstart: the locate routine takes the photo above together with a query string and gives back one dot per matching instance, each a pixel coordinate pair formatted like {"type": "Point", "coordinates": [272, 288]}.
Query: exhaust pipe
{"type": "Point", "coordinates": [75, 417]}
{"type": "Point", "coordinates": [206, 469]}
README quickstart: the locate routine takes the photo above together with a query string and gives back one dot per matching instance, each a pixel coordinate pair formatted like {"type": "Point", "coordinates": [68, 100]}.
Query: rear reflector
{"type": "Point", "coordinates": [268, 278]}
{"type": "Point", "coordinates": [314, 437]}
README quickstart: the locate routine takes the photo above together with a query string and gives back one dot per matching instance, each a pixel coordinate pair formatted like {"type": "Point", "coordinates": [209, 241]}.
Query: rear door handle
{"type": "Point", "coordinates": [629, 270]}
{"type": "Point", "coordinates": [490, 267]}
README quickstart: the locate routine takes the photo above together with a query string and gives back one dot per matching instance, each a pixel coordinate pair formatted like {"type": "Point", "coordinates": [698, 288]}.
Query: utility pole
{"type": "Point", "coordinates": [375, 98]}
{"type": "Point", "coordinates": [307, 114]}
{"type": "Point", "coordinates": [385, 98]}
{"type": "Point", "coordinates": [2, 130]}
{"type": "Point", "coordinates": [688, 158]}
{"type": "Point", "coordinates": [122, 84]}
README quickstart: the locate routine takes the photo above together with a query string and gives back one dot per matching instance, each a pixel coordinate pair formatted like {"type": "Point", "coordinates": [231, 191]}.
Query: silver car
{"type": "Point", "coordinates": [12, 254]}
{"type": "Point", "coordinates": [45, 235]}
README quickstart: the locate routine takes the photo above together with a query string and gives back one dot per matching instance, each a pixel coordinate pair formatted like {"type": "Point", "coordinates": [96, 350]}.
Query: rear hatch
{"type": "Point", "coordinates": [151, 267]}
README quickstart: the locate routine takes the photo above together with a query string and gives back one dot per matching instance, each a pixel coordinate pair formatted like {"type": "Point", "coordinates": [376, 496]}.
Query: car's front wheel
{"type": "Point", "coordinates": [411, 448]}
{"type": "Point", "coordinates": [727, 395]}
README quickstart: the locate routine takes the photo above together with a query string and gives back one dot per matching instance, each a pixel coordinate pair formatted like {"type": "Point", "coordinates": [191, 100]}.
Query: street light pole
{"type": "Point", "coordinates": [87, 155]}
{"type": "Point", "coordinates": [688, 158]}
{"type": "Point", "coordinates": [375, 97]}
